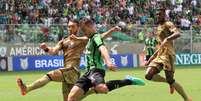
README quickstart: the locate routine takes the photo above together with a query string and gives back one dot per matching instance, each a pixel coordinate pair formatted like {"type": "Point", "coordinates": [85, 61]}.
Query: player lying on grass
{"type": "Point", "coordinates": [164, 57]}
{"type": "Point", "coordinates": [94, 77]}
{"type": "Point", "coordinates": [72, 47]}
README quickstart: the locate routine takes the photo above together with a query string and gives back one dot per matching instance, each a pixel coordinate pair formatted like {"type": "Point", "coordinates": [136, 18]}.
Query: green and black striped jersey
{"type": "Point", "coordinates": [150, 44]}
{"type": "Point", "coordinates": [94, 58]}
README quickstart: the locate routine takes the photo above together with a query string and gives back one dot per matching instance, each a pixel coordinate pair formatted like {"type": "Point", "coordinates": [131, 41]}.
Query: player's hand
{"type": "Point", "coordinates": [73, 37]}
{"type": "Point", "coordinates": [43, 46]}
{"type": "Point", "coordinates": [116, 29]}
{"type": "Point", "coordinates": [112, 67]}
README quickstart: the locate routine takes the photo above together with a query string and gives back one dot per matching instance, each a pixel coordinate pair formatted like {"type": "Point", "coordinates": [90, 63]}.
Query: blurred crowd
{"type": "Point", "coordinates": [126, 13]}
{"type": "Point", "coordinates": [182, 12]}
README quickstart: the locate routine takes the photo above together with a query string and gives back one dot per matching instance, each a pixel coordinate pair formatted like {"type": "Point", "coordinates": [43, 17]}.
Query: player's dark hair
{"type": "Point", "coordinates": [74, 21]}
{"type": "Point", "coordinates": [86, 21]}
{"type": "Point", "coordinates": [161, 13]}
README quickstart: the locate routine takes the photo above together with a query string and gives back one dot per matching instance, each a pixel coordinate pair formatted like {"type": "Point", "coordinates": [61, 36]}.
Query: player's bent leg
{"type": "Point", "coordinates": [75, 94]}
{"type": "Point", "coordinates": [151, 71]}
{"type": "Point", "coordinates": [170, 79]}
{"type": "Point", "coordinates": [35, 85]}
{"type": "Point", "coordinates": [38, 83]}
{"type": "Point", "coordinates": [55, 75]}
{"type": "Point", "coordinates": [181, 91]}
{"type": "Point", "coordinates": [152, 74]}
{"type": "Point", "coordinates": [66, 90]}
{"type": "Point", "coordinates": [115, 84]}
{"type": "Point", "coordinates": [134, 80]}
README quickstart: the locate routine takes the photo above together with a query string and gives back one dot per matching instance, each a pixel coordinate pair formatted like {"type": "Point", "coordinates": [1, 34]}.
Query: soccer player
{"type": "Point", "coordinates": [164, 57]}
{"type": "Point", "coordinates": [150, 44]}
{"type": "Point", "coordinates": [72, 47]}
{"type": "Point", "coordinates": [94, 77]}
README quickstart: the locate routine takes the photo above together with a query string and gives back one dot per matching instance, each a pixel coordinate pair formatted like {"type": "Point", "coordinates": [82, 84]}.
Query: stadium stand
{"type": "Point", "coordinates": [28, 20]}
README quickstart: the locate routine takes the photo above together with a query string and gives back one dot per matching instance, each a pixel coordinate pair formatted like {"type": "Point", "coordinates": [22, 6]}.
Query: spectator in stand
{"type": "Point", "coordinates": [137, 12]}
{"type": "Point", "coordinates": [185, 24]}
{"type": "Point", "coordinates": [143, 19]}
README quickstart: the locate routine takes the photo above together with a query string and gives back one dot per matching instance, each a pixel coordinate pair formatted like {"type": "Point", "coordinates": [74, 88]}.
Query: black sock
{"type": "Point", "coordinates": [114, 84]}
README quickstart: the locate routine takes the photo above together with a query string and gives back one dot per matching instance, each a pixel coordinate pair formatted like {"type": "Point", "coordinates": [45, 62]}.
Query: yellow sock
{"type": "Point", "coordinates": [180, 90]}
{"type": "Point", "coordinates": [37, 84]}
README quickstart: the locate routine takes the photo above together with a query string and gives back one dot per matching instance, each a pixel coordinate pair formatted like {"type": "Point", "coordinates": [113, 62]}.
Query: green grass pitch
{"type": "Point", "coordinates": [189, 77]}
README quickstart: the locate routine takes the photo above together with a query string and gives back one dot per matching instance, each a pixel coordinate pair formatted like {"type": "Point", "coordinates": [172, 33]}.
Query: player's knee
{"type": "Point", "coordinates": [150, 73]}
{"type": "Point", "coordinates": [50, 74]}
{"type": "Point", "coordinates": [170, 80]}
{"type": "Point", "coordinates": [55, 75]}
{"type": "Point", "coordinates": [148, 76]}
{"type": "Point", "coordinates": [101, 88]}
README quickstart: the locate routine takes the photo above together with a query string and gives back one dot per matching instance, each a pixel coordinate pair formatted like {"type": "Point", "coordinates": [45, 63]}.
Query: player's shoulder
{"type": "Point", "coordinates": [97, 35]}
{"type": "Point", "coordinates": [169, 23]}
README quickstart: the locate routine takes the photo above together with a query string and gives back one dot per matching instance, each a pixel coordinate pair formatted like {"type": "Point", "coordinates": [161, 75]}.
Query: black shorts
{"type": "Point", "coordinates": [91, 78]}
{"type": "Point", "coordinates": [147, 57]}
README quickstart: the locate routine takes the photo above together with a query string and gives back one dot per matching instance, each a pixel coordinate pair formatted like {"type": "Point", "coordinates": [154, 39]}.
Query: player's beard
{"type": "Point", "coordinates": [73, 33]}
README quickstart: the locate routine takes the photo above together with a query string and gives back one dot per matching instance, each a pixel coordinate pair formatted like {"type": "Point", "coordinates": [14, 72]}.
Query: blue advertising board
{"type": "Point", "coordinates": [23, 63]}
{"type": "Point", "coordinates": [120, 60]}
{"type": "Point", "coordinates": [123, 60]}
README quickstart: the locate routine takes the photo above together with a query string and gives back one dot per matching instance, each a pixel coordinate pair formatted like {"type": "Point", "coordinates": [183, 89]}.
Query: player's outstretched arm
{"type": "Point", "coordinates": [83, 38]}
{"type": "Point", "coordinates": [50, 50]}
{"type": "Point", "coordinates": [109, 32]}
{"type": "Point", "coordinates": [106, 57]}
{"type": "Point", "coordinates": [174, 36]}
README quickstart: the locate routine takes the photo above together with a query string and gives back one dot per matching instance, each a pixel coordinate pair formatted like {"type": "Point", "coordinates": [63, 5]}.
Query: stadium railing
{"type": "Point", "coordinates": [190, 40]}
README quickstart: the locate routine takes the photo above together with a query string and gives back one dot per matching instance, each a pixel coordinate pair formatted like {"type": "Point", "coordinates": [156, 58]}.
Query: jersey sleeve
{"type": "Point", "coordinates": [98, 40]}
